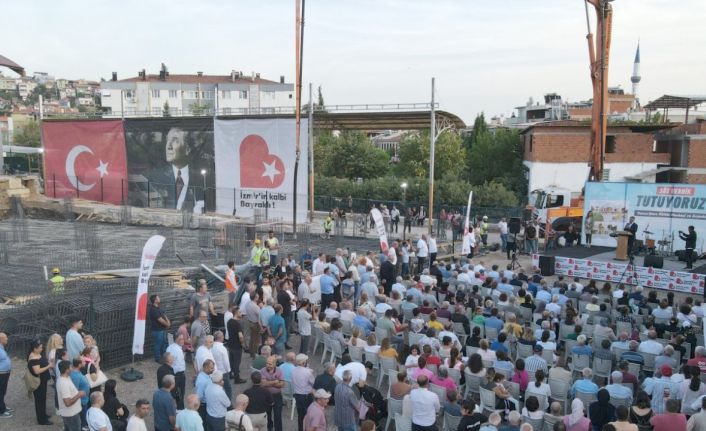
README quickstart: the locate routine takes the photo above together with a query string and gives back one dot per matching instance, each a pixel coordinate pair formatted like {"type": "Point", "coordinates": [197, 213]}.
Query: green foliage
{"type": "Point", "coordinates": [414, 155]}
{"type": "Point", "coordinates": [42, 89]}
{"type": "Point", "coordinates": [349, 155]}
{"type": "Point", "coordinates": [448, 191]}
{"type": "Point", "coordinates": [28, 135]}
{"type": "Point", "coordinates": [479, 128]}
{"type": "Point", "coordinates": [320, 101]}
{"type": "Point", "coordinates": [199, 109]}
{"type": "Point", "coordinates": [497, 157]}
{"type": "Point", "coordinates": [165, 110]}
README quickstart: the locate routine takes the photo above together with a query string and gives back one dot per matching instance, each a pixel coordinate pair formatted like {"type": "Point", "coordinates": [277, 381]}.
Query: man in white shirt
{"type": "Point", "coordinates": [399, 287]}
{"type": "Point", "coordinates": [431, 246]}
{"type": "Point", "coordinates": [179, 367]}
{"type": "Point", "coordinates": [358, 370]}
{"type": "Point", "coordinates": [319, 264]}
{"type": "Point", "coordinates": [220, 357]}
{"type": "Point", "coordinates": [204, 352]}
{"type": "Point", "coordinates": [137, 421]}
{"type": "Point", "coordinates": [237, 417]}
{"type": "Point", "coordinates": [502, 226]}
{"type": "Point", "coordinates": [422, 253]}
{"type": "Point", "coordinates": [306, 287]}
{"type": "Point", "coordinates": [217, 402]}
{"type": "Point", "coordinates": [96, 418]}
{"type": "Point", "coordinates": [332, 311]}
{"type": "Point", "coordinates": [651, 345]}
{"type": "Point", "coordinates": [346, 311]}
{"type": "Point", "coordinates": [69, 398]}
{"type": "Point", "coordinates": [189, 420]}
{"type": "Point", "coordinates": [425, 406]}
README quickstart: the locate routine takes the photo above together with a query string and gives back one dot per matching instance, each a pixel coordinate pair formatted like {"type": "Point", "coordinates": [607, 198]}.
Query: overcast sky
{"type": "Point", "coordinates": [486, 55]}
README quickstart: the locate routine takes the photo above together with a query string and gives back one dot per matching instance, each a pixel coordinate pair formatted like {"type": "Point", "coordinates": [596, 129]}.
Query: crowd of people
{"type": "Point", "coordinates": [450, 345]}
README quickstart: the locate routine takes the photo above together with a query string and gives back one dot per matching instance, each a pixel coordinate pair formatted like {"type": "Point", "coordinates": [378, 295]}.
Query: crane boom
{"type": "Point", "coordinates": [599, 53]}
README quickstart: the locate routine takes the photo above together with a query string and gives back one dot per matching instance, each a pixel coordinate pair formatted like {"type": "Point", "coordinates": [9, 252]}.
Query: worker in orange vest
{"type": "Point", "coordinates": [231, 284]}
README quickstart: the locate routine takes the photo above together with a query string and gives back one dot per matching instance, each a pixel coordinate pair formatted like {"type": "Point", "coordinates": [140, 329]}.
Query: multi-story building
{"type": "Point", "coordinates": [6, 130]}
{"type": "Point", "coordinates": [148, 95]}
{"type": "Point", "coordinates": [557, 153]}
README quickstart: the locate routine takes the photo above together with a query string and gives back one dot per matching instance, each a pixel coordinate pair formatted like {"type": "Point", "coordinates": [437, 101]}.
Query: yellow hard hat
{"type": "Point", "coordinates": [257, 241]}
{"type": "Point", "coordinates": [55, 270]}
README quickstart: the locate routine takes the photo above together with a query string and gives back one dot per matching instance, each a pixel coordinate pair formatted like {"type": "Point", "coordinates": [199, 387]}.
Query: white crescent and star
{"type": "Point", "coordinates": [270, 171]}
{"type": "Point", "coordinates": [71, 167]}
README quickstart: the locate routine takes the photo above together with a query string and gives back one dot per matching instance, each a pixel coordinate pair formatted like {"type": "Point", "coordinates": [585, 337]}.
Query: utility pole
{"type": "Point", "coordinates": [432, 137]}
{"type": "Point", "coordinates": [311, 153]}
{"type": "Point", "coordinates": [298, 47]}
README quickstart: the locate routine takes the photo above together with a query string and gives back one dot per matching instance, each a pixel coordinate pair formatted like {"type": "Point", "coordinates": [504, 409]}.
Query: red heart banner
{"type": "Point", "coordinates": [258, 168]}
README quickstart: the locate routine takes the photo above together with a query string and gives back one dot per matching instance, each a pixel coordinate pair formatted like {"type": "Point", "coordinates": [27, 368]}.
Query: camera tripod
{"type": "Point", "coordinates": [515, 263]}
{"type": "Point", "coordinates": [631, 263]}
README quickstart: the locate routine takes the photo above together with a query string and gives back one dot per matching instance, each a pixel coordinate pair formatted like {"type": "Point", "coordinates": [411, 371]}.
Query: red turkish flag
{"type": "Point", "coordinates": [85, 159]}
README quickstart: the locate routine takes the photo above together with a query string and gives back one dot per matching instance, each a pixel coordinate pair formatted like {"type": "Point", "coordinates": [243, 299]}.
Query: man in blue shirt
{"type": "Point", "coordinates": [493, 273]}
{"type": "Point", "coordinates": [278, 330]}
{"type": "Point", "coordinates": [203, 380]}
{"type": "Point", "coordinates": [327, 283]}
{"type": "Point", "coordinates": [164, 406]}
{"type": "Point", "coordinates": [81, 383]}
{"type": "Point", "coordinates": [504, 287]}
{"type": "Point", "coordinates": [363, 322]}
{"type": "Point", "coordinates": [5, 368]}
{"type": "Point", "coordinates": [493, 321]}
{"type": "Point", "coordinates": [585, 385]}
{"type": "Point", "coordinates": [74, 340]}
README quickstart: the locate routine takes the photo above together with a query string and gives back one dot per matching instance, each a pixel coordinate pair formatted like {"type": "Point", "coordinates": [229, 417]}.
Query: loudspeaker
{"type": "Point", "coordinates": [515, 225]}
{"type": "Point", "coordinates": [546, 265]}
{"type": "Point", "coordinates": [681, 255]}
{"type": "Point", "coordinates": [653, 261]}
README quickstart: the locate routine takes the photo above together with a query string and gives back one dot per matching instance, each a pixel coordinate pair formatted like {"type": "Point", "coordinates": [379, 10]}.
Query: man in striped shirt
{"type": "Point", "coordinates": [536, 362]}
{"type": "Point", "coordinates": [346, 408]}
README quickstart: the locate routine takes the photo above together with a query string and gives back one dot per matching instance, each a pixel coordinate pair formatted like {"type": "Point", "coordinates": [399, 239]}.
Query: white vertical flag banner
{"type": "Point", "coordinates": [255, 167]}
{"type": "Point", "coordinates": [467, 233]}
{"type": "Point", "coordinates": [380, 229]}
{"type": "Point", "coordinates": [149, 255]}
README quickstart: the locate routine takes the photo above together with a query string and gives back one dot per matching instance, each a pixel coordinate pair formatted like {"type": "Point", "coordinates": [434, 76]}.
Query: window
{"type": "Point", "coordinates": [155, 94]}
{"type": "Point", "coordinates": [172, 94]}
{"type": "Point", "coordinates": [555, 201]}
{"type": "Point", "coordinates": [660, 146]}
{"type": "Point", "coordinates": [192, 94]}
{"type": "Point", "coordinates": [225, 94]}
{"type": "Point", "coordinates": [606, 175]}
{"type": "Point", "coordinates": [290, 95]}
{"type": "Point", "coordinates": [242, 94]}
{"type": "Point", "coordinates": [129, 94]}
{"type": "Point", "coordinates": [268, 95]}
{"type": "Point", "coordinates": [207, 94]}
{"type": "Point", "coordinates": [609, 144]}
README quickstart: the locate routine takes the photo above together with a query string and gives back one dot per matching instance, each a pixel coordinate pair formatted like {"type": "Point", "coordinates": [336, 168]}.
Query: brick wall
{"type": "Point", "coordinates": [558, 144]}
{"type": "Point", "coordinates": [697, 153]}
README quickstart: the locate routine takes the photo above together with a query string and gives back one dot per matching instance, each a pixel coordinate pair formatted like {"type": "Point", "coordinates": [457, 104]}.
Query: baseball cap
{"type": "Point", "coordinates": [537, 348]}
{"type": "Point", "coordinates": [257, 241]}
{"type": "Point", "coordinates": [666, 370]}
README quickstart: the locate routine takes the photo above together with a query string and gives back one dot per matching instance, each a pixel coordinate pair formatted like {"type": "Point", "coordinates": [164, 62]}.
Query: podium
{"type": "Point", "coordinates": [621, 252]}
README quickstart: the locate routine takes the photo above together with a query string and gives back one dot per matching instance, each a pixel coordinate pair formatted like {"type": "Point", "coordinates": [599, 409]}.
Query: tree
{"type": "Point", "coordinates": [479, 128]}
{"type": "Point", "coordinates": [29, 135]}
{"type": "Point", "coordinates": [165, 110]}
{"type": "Point", "coordinates": [320, 102]}
{"type": "Point", "coordinates": [199, 109]}
{"type": "Point", "coordinates": [414, 155]}
{"type": "Point", "coordinates": [497, 157]}
{"type": "Point", "coordinates": [349, 155]}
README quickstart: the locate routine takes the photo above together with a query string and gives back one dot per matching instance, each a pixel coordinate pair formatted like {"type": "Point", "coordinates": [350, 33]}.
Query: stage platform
{"type": "Point", "coordinates": [607, 254]}
{"type": "Point", "coordinates": [599, 263]}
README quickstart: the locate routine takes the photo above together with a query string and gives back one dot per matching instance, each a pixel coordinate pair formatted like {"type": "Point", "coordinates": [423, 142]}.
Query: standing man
{"type": "Point", "coordinates": [252, 313]}
{"type": "Point", "coordinates": [484, 231]}
{"type": "Point", "coordinates": [502, 226]}
{"type": "Point", "coordinates": [199, 330]}
{"type": "Point", "coordinates": [159, 323]}
{"type": "Point", "coordinates": [203, 381]}
{"type": "Point", "coordinates": [588, 228]}
{"type": "Point", "coordinates": [395, 219]}
{"type": "Point", "coordinates": [531, 237]}
{"type": "Point", "coordinates": [425, 406]}
{"type": "Point", "coordinates": [57, 280]}
{"type": "Point", "coordinates": [74, 340]}
{"type": "Point", "coordinates": [166, 369]}
{"type": "Point", "coordinates": [327, 283]}
{"type": "Point", "coordinates": [274, 247]}
{"type": "Point", "coordinates": [315, 419]}
{"type": "Point", "coordinates": [273, 381]}
{"type": "Point", "coordinates": [69, 399]}
{"type": "Point", "coordinates": [256, 258]}
{"type": "Point", "coordinates": [346, 408]}
{"type": "Point", "coordinates": [235, 343]}
{"type": "Point", "coordinates": [631, 227]}
{"type": "Point", "coordinates": [689, 245]}
{"type": "Point", "coordinates": [302, 387]}
{"type": "Point", "coordinates": [433, 249]}
{"type": "Point", "coordinates": [217, 403]}
{"type": "Point", "coordinates": [96, 417]}
{"type": "Point", "coordinates": [201, 300]}
{"type": "Point", "coordinates": [164, 405]}
{"type": "Point", "coordinates": [137, 421]}
{"type": "Point", "coordinates": [231, 283]}
{"type": "Point", "coordinates": [278, 330]}
{"type": "Point", "coordinates": [220, 356]}
{"type": "Point", "coordinates": [422, 253]}
{"type": "Point", "coordinates": [5, 368]}
{"type": "Point", "coordinates": [261, 402]}
{"type": "Point", "coordinates": [176, 349]}
{"type": "Point", "coordinates": [188, 419]}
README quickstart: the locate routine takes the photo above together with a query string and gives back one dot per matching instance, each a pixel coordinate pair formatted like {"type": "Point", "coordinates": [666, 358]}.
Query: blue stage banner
{"type": "Point", "coordinates": [661, 211]}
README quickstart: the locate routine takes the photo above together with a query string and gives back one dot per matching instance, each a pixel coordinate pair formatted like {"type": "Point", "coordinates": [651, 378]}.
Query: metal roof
{"type": "Point", "coordinates": [408, 120]}
{"type": "Point", "coordinates": [683, 102]}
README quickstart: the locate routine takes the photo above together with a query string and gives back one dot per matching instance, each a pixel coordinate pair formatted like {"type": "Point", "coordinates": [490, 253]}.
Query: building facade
{"type": "Point", "coordinates": [152, 95]}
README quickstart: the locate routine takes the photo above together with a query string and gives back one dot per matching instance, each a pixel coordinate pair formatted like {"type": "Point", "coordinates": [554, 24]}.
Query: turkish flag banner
{"type": "Point", "coordinates": [255, 167]}
{"type": "Point", "coordinates": [85, 159]}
